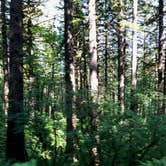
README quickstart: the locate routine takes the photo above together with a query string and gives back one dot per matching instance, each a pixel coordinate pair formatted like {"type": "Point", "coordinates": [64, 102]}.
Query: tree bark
{"type": "Point", "coordinates": [161, 57]}
{"type": "Point", "coordinates": [30, 62]}
{"type": "Point", "coordinates": [134, 59]}
{"type": "Point", "coordinates": [84, 53]}
{"type": "Point", "coordinates": [164, 106]}
{"type": "Point", "coordinates": [121, 59]}
{"type": "Point", "coordinates": [106, 60]}
{"type": "Point", "coordinates": [93, 75]}
{"type": "Point", "coordinates": [69, 79]}
{"type": "Point", "coordinates": [15, 148]}
{"type": "Point", "coordinates": [5, 55]}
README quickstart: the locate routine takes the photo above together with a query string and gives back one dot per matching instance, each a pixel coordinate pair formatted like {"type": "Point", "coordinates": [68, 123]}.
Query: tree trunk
{"type": "Point", "coordinates": [106, 60]}
{"type": "Point", "coordinates": [93, 75]}
{"type": "Point", "coordinates": [134, 59]}
{"type": "Point", "coordinates": [106, 48]}
{"type": "Point", "coordinates": [84, 53]}
{"type": "Point", "coordinates": [161, 57]}
{"type": "Point", "coordinates": [5, 55]}
{"type": "Point", "coordinates": [30, 60]}
{"type": "Point", "coordinates": [164, 106]}
{"type": "Point", "coordinates": [69, 79]}
{"type": "Point", "coordinates": [15, 130]}
{"type": "Point", "coordinates": [133, 106]}
{"type": "Point", "coordinates": [121, 60]}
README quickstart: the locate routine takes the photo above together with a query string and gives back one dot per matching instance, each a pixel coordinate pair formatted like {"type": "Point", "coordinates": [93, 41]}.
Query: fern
{"type": "Point", "coordinates": [155, 162]}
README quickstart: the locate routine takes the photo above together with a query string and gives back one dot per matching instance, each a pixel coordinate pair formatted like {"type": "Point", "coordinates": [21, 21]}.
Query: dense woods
{"type": "Point", "coordinates": [85, 85]}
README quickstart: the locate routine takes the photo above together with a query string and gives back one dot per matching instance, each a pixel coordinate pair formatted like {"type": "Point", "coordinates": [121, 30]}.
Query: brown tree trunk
{"type": "Point", "coordinates": [69, 79]}
{"type": "Point", "coordinates": [161, 57]}
{"type": "Point", "coordinates": [121, 60]}
{"type": "Point", "coordinates": [134, 59]}
{"type": "Point", "coordinates": [15, 148]}
{"type": "Point", "coordinates": [5, 55]}
{"type": "Point", "coordinates": [93, 75]}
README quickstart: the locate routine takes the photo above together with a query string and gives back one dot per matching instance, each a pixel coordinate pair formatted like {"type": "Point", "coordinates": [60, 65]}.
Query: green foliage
{"type": "Point", "coordinates": [2, 136]}
{"type": "Point", "coordinates": [155, 162]}
{"type": "Point", "coordinates": [33, 162]}
{"type": "Point", "coordinates": [130, 135]}
{"type": "Point", "coordinates": [46, 136]}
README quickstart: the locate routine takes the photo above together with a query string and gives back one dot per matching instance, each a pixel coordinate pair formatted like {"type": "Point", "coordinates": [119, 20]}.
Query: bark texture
{"type": "Point", "coordinates": [30, 61]}
{"type": "Point", "coordinates": [121, 59]}
{"type": "Point", "coordinates": [161, 57]}
{"type": "Point", "coordinates": [69, 78]}
{"type": "Point", "coordinates": [93, 75]}
{"type": "Point", "coordinates": [5, 55]}
{"type": "Point", "coordinates": [15, 149]}
{"type": "Point", "coordinates": [134, 59]}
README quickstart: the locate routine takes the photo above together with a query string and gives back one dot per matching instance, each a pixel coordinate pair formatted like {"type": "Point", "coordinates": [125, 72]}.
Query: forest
{"type": "Point", "coordinates": [83, 83]}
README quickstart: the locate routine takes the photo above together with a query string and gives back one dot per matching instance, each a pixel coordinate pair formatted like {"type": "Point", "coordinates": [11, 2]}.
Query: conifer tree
{"type": "Point", "coordinates": [15, 148]}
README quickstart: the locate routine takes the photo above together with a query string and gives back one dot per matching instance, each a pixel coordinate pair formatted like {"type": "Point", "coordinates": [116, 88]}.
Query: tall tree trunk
{"type": "Point", "coordinates": [161, 56]}
{"type": "Point", "coordinates": [106, 62]}
{"type": "Point", "coordinates": [15, 148]}
{"type": "Point", "coordinates": [106, 48]}
{"type": "Point", "coordinates": [164, 106]}
{"type": "Point", "coordinates": [121, 59]}
{"type": "Point", "coordinates": [144, 70]}
{"type": "Point", "coordinates": [84, 53]}
{"type": "Point", "coordinates": [93, 74]}
{"type": "Point", "coordinates": [5, 55]}
{"type": "Point", "coordinates": [133, 106]}
{"type": "Point", "coordinates": [69, 78]}
{"type": "Point", "coordinates": [30, 57]}
{"type": "Point", "coordinates": [134, 59]}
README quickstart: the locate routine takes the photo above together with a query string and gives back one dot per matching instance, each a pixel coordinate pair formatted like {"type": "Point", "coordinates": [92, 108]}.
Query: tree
{"type": "Point", "coordinates": [161, 56]}
{"type": "Point", "coordinates": [5, 54]}
{"type": "Point", "coordinates": [134, 59]}
{"type": "Point", "coordinates": [121, 58]}
{"type": "Point", "coordinates": [15, 148]}
{"type": "Point", "coordinates": [69, 78]}
{"type": "Point", "coordinates": [106, 48]}
{"type": "Point", "coordinates": [93, 73]}
{"type": "Point", "coordinates": [30, 57]}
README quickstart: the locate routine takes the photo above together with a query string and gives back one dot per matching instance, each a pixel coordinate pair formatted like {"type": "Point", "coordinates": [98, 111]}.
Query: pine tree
{"type": "Point", "coordinates": [93, 74]}
{"type": "Point", "coordinates": [134, 59]}
{"type": "Point", "coordinates": [161, 56]}
{"type": "Point", "coordinates": [69, 79]}
{"type": "Point", "coordinates": [15, 148]}
{"type": "Point", "coordinates": [121, 58]}
{"type": "Point", "coordinates": [5, 54]}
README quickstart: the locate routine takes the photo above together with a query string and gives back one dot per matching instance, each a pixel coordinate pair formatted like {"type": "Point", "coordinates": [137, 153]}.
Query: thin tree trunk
{"type": "Point", "coordinates": [161, 57]}
{"type": "Point", "coordinates": [5, 55]}
{"type": "Point", "coordinates": [133, 106]}
{"type": "Point", "coordinates": [93, 75]}
{"type": "Point", "coordinates": [121, 60]}
{"type": "Point", "coordinates": [15, 148]}
{"type": "Point", "coordinates": [134, 59]}
{"type": "Point", "coordinates": [144, 69]}
{"type": "Point", "coordinates": [106, 48]}
{"type": "Point", "coordinates": [70, 79]}
{"type": "Point", "coordinates": [106, 60]}
{"type": "Point", "coordinates": [164, 106]}
{"type": "Point", "coordinates": [30, 57]}
{"type": "Point", "coordinates": [85, 80]}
